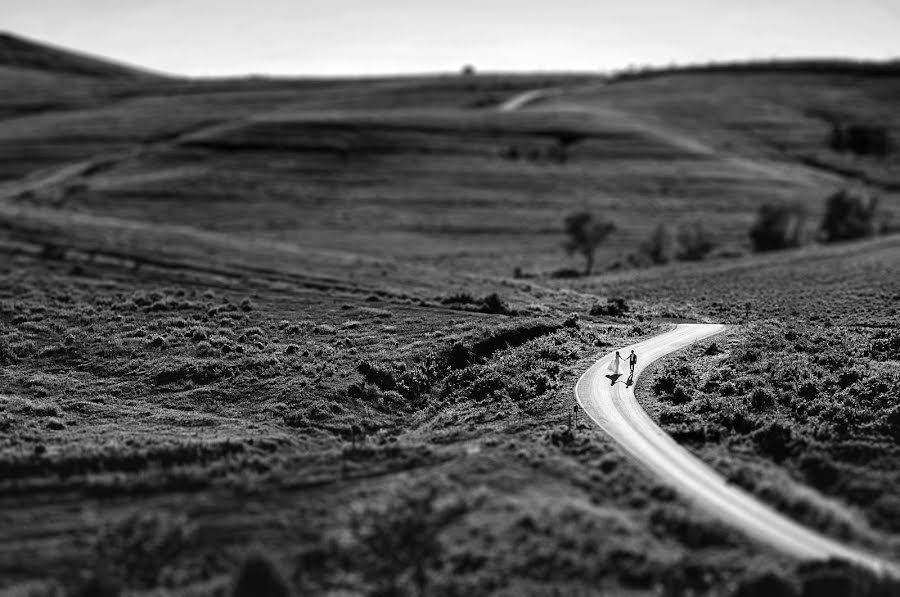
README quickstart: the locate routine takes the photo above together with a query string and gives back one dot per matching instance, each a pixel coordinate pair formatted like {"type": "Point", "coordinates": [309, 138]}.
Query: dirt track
{"type": "Point", "coordinates": [616, 410]}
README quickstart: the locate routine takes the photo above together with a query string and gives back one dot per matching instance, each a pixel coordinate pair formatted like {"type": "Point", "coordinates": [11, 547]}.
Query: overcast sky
{"type": "Point", "coordinates": [216, 37]}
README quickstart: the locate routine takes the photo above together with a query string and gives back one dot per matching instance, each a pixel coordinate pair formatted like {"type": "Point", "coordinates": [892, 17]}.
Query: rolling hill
{"type": "Point", "coordinates": [303, 313]}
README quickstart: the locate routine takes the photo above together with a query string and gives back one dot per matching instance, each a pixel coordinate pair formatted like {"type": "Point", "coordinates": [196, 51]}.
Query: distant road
{"type": "Point", "coordinates": [522, 99]}
{"type": "Point", "coordinates": [616, 410]}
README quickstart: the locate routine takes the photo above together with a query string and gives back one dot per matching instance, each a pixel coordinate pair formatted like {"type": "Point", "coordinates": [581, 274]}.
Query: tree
{"type": "Point", "coordinates": [662, 246]}
{"type": "Point", "coordinates": [688, 241]}
{"type": "Point", "coordinates": [778, 226]}
{"type": "Point", "coordinates": [585, 235]}
{"type": "Point", "coordinates": [849, 215]}
{"type": "Point", "coordinates": [694, 242]}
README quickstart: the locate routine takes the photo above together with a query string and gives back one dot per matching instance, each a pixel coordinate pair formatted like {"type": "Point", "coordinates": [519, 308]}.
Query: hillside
{"type": "Point", "coordinates": [332, 318]}
{"type": "Point", "coordinates": [20, 53]}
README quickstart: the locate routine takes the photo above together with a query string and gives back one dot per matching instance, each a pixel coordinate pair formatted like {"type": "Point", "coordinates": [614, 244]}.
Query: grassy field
{"type": "Point", "coordinates": [283, 316]}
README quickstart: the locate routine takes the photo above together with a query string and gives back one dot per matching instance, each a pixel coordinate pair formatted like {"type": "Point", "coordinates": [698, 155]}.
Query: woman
{"type": "Point", "coordinates": [615, 368]}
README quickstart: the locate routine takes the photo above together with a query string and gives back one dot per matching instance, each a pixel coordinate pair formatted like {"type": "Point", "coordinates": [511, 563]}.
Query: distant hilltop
{"type": "Point", "coordinates": [819, 66]}
{"type": "Point", "coordinates": [21, 53]}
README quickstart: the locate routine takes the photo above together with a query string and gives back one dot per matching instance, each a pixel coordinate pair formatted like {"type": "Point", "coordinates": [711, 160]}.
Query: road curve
{"type": "Point", "coordinates": [521, 100]}
{"type": "Point", "coordinates": [616, 410]}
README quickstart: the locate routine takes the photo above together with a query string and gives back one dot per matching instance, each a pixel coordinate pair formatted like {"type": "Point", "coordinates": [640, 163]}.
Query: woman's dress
{"type": "Point", "coordinates": [615, 366]}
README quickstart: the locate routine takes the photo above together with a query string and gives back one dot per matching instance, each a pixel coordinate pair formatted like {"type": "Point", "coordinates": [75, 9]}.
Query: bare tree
{"type": "Point", "coordinates": [585, 234]}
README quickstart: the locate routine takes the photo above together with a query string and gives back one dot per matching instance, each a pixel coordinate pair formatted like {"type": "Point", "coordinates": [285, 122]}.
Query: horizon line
{"type": "Point", "coordinates": [628, 69]}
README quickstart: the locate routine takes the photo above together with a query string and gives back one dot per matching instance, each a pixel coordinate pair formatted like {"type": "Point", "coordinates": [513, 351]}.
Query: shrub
{"type": "Point", "coordinates": [861, 139]}
{"type": "Point", "coordinates": [614, 307]}
{"type": "Point", "coordinates": [835, 578]}
{"type": "Point", "coordinates": [668, 389]}
{"type": "Point", "coordinates": [820, 472]}
{"type": "Point", "coordinates": [664, 385]}
{"type": "Point", "coordinates": [886, 345]}
{"type": "Point", "coordinates": [778, 226]}
{"type": "Point", "coordinates": [585, 234]}
{"type": "Point", "coordinates": [774, 440]}
{"type": "Point", "coordinates": [662, 246]}
{"type": "Point", "coordinates": [7, 352]}
{"type": "Point", "coordinates": [687, 241]}
{"type": "Point", "coordinates": [399, 544]}
{"type": "Point", "coordinates": [492, 303]}
{"type": "Point", "coordinates": [694, 241]}
{"type": "Point", "coordinates": [761, 400]}
{"type": "Point", "coordinates": [142, 547]}
{"type": "Point", "coordinates": [259, 576]}
{"type": "Point", "coordinates": [849, 215]}
{"type": "Point", "coordinates": [767, 584]}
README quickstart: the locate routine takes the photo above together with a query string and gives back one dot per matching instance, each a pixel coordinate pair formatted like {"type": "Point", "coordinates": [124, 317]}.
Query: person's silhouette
{"type": "Point", "coordinates": [632, 361]}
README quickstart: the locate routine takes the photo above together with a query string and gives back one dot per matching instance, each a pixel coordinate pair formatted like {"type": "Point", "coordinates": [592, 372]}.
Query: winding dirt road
{"type": "Point", "coordinates": [616, 410]}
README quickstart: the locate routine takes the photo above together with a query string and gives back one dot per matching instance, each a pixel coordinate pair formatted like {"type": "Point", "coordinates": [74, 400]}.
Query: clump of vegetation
{"type": "Point", "coordinates": [835, 577]}
{"type": "Point", "coordinates": [861, 139]}
{"type": "Point", "coordinates": [886, 344]}
{"type": "Point", "coordinates": [565, 140]}
{"type": "Point", "coordinates": [139, 550]}
{"type": "Point", "coordinates": [769, 583]}
{"type": "Point", "coordinates": [613, 307]}
{"type": "Point", "coordinates": [398, 546]}
{"type": "Point", "coordinates": [259, 576]}
{"type": "Point", "coordinates": [688, 241]}
{"type": "Point", "coordinates": [778, 226]}
{"type": "Point", "coordinates": [849, 215]}
{"type": "Point", "coordinates": [492, 303]}
{"type": "Point", "coordinates": [585, 233]}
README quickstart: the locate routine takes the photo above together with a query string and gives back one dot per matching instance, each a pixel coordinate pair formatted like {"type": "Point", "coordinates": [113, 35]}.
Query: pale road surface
{"type": "Point", "coordinates": [525, 98]}
{"type": "Point", "coordinates": [616, 410]}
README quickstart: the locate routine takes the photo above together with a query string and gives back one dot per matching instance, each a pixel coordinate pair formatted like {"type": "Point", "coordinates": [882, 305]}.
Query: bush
{"type": "Point", "coordinates": [778, 226]}
{"type": "Point", "coordinates": [665, 385]}
{"type": "Point", "coordinates": [849, 215]}
{"type": "Point", "coordinates": [767, 584]}
{"type": "Point", "coordinates": [687, 241]}
{"type": "Point", "coordinates": [614, 307]}
{"type": "Point", "coordinates": [7, 352]}
{"type": "Point", "coordinates": [694, 241]}
{"type": "Point", "coordinates": [260, 577]}
{"type": "Point", "coordinates": [886, 345]}
{"type": "Point", "coordinates": [836, 578]}
{"type": "Point", "coordinates": [774, 441]}
{"type": "Point", "coordinates": [491, 303]}
{"type": "Point", "coordinates": [399, 544]}
{"type": "Point", "coordinates": [667, 388]}
{"type": "Point", "coordinates": [761, 400]}
{"type": "Point", "coordinates": [140, 549]}
{"type": "Point", "coordinates": [662, 246]}
{"type": "Point", "coordinates": [861, 139]}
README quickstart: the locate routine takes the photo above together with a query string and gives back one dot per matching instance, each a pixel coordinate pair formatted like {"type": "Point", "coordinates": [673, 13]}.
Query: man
{"type": "Point", "coordinates": [632, 361]}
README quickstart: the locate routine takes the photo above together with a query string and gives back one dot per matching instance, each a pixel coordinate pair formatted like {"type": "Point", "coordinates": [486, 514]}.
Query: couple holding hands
{"type": "Point", "coordinates": [617, 369]}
